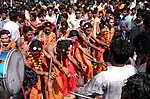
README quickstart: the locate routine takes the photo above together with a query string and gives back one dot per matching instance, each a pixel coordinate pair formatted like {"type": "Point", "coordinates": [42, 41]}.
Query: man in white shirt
{"type": "Point", "coordinates": [76, 22]}
{"type": "Point", "coordinates": [51, 17]}
{"type": "Point", "coordinates": [108, 84]}
{"type": "Point", "coordinates": [12, 26]}
{"type": "Point", "coordinates": [71, 14]}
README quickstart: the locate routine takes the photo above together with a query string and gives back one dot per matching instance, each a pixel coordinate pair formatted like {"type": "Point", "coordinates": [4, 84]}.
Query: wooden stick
{"type": "Point", "coordinates": [50, 69]}
{"type": "Point", "coordinates": [49, 74]}
{"type": "Point", "coordinates": [83, 96]}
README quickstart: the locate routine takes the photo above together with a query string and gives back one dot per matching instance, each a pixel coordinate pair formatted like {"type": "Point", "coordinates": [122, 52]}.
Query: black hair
{"type": "Point", "coordinates": [65, 15]}
{"type": "Point", "coordinates": [90, 10]}
{"type": "Point", "coordinates": [64, 23]}
{"type": "Point", "coordinates": [137, 87]}
{"type": "Point", "coordinates": [121, 50]}
{"type": "Point", "coordinates": [133, 9]}
{"type": "Point", "coordinates": [73, 33]}
{"type": "Point", "coordinates": [33, 15]}
{"type": "Point", "coordinates": [77, 10]}
{"type": "Point", "coordinates": [96, 9]}
{"type": "Point", "coordinates": [55, 10]}
{"type": "Point", "coordinates": [63, 46]}
{"type": "Point", "coordinates": [13, 16]}
{"type": "Point", "coordinates": [4, 11]}
{"type": "Point", "coordinates": [26, 29]}
{"type": "Point", "coordinates": [109, 11]}
{"type": "Point", "coordinates": [69, 6]}
{"type": "Point", "coordinates": [146, 20]}
{"type": "Point", "coordinates": [47, 24]}
{"type": "Point", "coordinates": [81, 22]}
{"type": "Point", "coordinates": [22, 17]}
{"type": "Point", "coordinates": [141, 43]}
{"type": "Point", "coordinates": [61, 7]}
{"type": "Point", "coordinates": [2, 32]}
{"type": "Point", "coordinates": [35, 43]}
{"type": "Point", "coordinates": [142, 46]}
{"type": "Point", "coordinates": [50, 8]}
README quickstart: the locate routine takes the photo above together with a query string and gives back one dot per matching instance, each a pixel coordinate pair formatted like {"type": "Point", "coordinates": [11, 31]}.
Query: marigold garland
{"type": "Point", "coordinates": [36, 64]}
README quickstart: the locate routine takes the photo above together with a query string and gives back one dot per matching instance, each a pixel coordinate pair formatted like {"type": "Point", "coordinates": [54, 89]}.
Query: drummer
{"type": "Point", "coordinates": [5, 42]}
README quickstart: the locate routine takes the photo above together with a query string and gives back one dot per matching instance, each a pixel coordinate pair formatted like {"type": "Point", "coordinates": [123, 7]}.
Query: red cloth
{"type": "Point", "coordinates": [69, 83]}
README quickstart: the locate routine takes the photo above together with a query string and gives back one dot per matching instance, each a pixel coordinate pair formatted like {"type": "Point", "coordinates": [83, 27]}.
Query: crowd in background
{"type": "Point", "coordinates": [98, 48]}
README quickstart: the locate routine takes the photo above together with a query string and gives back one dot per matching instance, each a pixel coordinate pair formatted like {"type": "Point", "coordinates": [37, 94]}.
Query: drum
{"type": "Point", "coordinates": [12, 70]}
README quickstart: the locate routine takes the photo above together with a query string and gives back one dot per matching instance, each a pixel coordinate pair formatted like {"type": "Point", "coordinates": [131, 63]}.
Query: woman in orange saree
{"type": "Point", "coordinates": [38, 63]}
{"type": "Point", "coordinates": [81, 55]}
{"type": "Point", "coordinates": [106, 37]}
{"type": "Point", "coordinates": [34, 60]}
{"type": "Point", "coordinates": [58, 68]}
{"type": "Point", "coordinates": [64, 32]}
{"type": "Point", "coordinates": [47, 36]}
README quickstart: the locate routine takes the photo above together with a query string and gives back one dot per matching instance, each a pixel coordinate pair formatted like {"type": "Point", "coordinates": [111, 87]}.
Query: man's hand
{"type": "Point", "coordinates": [80, 81]}
{"type": "Point", "coordinates": [50, 83]}
{"type": "Point", "coordinates": [53, 75]}
{"type": "Point", "coordinates": [98, 97]}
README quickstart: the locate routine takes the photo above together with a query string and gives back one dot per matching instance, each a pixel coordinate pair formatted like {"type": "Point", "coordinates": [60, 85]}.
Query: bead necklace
{"type": "Point", "coordinates": [36, 64]}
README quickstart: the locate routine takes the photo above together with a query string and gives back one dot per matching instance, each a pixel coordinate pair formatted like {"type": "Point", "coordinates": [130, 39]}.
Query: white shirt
{"type": "Point", "coordinates": [71, 18]}
{"type": "Point", "coordinates": [13, 28]}
{"type": "Point", "coordinates": [109, 83]}
{"type": "Point", "coordinates": [76, 23]}
{"type": "Point", "coordinates": [51, 19]}
{"type": "Point", "coordinates": [27, 15]}
{"type": "Point", "coordinates": [133, 5]}
{"type": "Point", "coordinates": [38, 20]}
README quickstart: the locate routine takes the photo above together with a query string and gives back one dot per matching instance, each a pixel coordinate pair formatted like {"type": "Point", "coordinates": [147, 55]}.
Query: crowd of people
{"type": "Point", "coordinates": [99, 49]}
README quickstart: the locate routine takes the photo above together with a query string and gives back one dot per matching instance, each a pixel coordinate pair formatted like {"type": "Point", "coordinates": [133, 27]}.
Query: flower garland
{"type": "Point", "coordinates": [36, 64]}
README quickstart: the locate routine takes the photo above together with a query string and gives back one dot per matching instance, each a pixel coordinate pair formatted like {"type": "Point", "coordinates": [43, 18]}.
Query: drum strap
{"type": "Point", "coordinates": [43, 87]}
